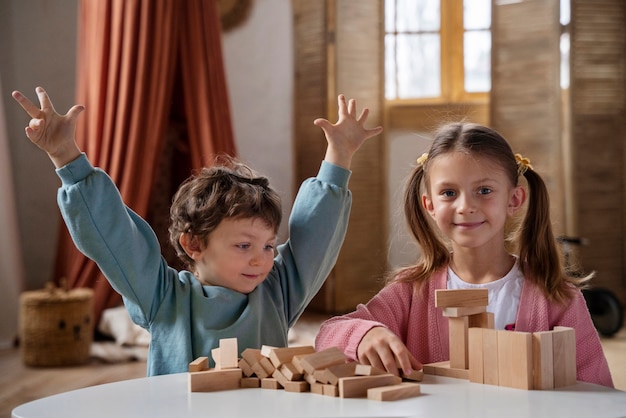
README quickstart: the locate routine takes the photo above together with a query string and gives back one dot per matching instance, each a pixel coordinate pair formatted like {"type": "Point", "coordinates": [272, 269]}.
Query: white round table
{"type": "Point", "coordinates": [168, 396]}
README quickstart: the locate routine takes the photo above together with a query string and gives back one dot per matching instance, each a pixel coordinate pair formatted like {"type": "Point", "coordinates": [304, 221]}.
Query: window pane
{"type": "Point", "coordinates": [417, 15]}
{"type": "Point", "coordinates": [391, 91]}
{"type": "Point", "coordinates": [476, 14]}
{"type": "Point", "coordinates": [419, 66]}
{"type": "Point", "coordinates": [390, 16]}
{"type": "Point", "coordinates": [477, 61]}
{"type": "Point", "coordinates": [565, 44]}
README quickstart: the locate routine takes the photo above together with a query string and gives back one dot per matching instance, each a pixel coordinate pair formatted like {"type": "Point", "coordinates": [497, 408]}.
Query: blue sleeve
{"type": "Point", "coordinates": [317, 228]}
{"type": "Point", "coordinates": [121, 243]}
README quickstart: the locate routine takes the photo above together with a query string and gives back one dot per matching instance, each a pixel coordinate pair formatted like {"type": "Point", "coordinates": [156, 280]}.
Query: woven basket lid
{"type": "Point", "coordinates": [52, 294]}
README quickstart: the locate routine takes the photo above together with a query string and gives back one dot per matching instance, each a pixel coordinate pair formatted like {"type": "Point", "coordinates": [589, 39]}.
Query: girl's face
{"type": "Point", "coordinates": [470, 198]}
{"type": "Point", "coordinates": [239, 254]}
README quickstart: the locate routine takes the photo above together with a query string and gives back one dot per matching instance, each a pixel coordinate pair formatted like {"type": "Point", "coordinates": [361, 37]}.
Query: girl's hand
{"type": "Point", "coordinates": [347, 135]}
{"type": "Point", "coordinates": [50, 131]}
{"type": "Point", "coordinates": [383, 349]}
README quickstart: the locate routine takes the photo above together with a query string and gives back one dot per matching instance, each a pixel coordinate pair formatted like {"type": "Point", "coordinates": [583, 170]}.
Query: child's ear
{"type": "Point", "coordinates": [517, 199]}
{"type": "Point", "coordinates": [190, 244]}
{"type": "Point", "coordinates": [427, 203]}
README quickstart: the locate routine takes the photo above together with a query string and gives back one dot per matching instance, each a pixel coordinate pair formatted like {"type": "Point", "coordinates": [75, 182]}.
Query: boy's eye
{"type": "Point", "coordinates": [269, 247]}
{"type": "Point", "coordinates": [243, 246]}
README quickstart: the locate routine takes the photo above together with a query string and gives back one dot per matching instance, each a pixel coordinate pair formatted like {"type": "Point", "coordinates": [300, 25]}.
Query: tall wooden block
{"type": "Point", "coordinates": [505, 357]}
{"type": "Point", "coordinates": [543, 360]}
{"type": "Point", "coordinates": [229, 353]}
{"type": "Point", "coordinates": [457, 298]}
{"type": "Point", "coordinates": [475, 354]}
{"type": "Point", "coordinates": [564, 352]}
{"type": "Point", "coordinates": [482, 320]}
{"type": "Point", "coordinates": [522, 364]}
{"type": "Point", "coordinates": [490, 356]}
{"type": "Point", "coordinates": [458, 342]}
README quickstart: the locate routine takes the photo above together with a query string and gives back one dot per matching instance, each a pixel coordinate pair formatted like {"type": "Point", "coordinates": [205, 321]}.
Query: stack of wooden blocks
{"type": "Point", "coordinates": [481, 354]}
{"type": "Point", "coordinates": [298, 369]}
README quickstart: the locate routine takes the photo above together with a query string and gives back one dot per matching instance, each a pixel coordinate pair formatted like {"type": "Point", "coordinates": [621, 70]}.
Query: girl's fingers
{"type": "Point", "coordinates": [44, 99]}
{"type": "Point", "coordinates": [352, 107]}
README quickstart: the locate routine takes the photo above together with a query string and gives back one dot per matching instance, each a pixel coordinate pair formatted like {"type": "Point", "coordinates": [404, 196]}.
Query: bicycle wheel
{"type": "Point", "coordinates": [605, 310]}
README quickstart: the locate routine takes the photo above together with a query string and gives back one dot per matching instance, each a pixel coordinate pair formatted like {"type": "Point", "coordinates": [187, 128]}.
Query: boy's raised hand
{"type": "Point", "coordinates": [50, 131]}
{"type": "Point", "coordinates": [348, 134]}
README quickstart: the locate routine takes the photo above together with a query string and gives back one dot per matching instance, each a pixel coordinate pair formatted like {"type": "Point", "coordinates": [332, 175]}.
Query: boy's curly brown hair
{"type": "Point", "coordinates": [229, 189]}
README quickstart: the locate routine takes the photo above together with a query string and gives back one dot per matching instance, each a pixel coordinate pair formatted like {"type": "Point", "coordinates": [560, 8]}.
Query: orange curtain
{"type": "Point", "coordinates": [129, 53]}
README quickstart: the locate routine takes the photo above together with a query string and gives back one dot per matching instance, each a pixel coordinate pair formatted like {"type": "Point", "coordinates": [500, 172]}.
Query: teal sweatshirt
{"type": "Point", "coordinates": [185, 318]}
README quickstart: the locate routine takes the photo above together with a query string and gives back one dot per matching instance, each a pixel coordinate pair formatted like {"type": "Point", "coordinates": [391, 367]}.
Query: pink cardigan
{"type": "Point", "coordinates": [424, 329]}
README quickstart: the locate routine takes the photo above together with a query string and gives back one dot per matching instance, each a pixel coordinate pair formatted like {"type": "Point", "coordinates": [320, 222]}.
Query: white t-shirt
{"type": "Point", "coordinates": [504, 295]}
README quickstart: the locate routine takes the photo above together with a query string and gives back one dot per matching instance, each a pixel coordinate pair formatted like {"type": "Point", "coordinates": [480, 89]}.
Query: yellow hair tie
{"type": "Point", "coordinates": [422, 159]}
{"type": "Point", "coordinates": [523, 164]}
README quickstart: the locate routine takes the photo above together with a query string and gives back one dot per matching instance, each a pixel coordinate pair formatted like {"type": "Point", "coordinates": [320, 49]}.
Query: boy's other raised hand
{"type": "Point", "coordinates": [348, 134]}
{"type": "Point", "coordinates": [50, 131]}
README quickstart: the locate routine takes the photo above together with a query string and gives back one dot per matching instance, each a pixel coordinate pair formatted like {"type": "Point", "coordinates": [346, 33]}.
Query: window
{"type": "Point", "coordinates": [437, 50]}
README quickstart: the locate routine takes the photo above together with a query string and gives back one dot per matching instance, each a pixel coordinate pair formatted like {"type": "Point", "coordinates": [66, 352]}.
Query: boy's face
{"type": "Point", "coordinates": [239, 254]}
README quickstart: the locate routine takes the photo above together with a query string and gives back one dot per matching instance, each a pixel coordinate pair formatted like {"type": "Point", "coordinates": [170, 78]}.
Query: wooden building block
{"type": "Point", "coordinates": [310, 378]}
{"type": "Point", "coordinates": [564, 356]}
{"type": "Point", "coordinates": [266, 350]}
{"type": "Point", "coordinates": [333, 373]}
{"type": "Point", "coordinates": [215, 354]}
{"type": "Point", "coordinates": [522, 365]}
{"type": "Point", "coordinates": [490, 357]}
{"type": "Point", "coordinates": [330, 390]}
{"type": "Point", "coordinates": [317, 388]}
{"type": "Point", "coordinates": [320, 376]}
{"type": "Point", "coordinates": [299, 386]}
{"type": "Point", "coordinates": [215, 380]}
{"type": "Point", "coordinates": [543, 361]}
{"type": "Point", "coordinates": [229, 353]}
{"type": "Point", "coordinates": [475, 354]}
{"type": "Point", "coordinates": [458, 298]}
{"type": "Point", "coordinates": [259, 371]}
{"type": "Point", "coordinates": [457, 328]}
{"type": "Point", "coordinates": [505, 358]}
{"type": "Point", "coordinates": [456, 312]}
{"type": "Point", "coordinates": [367, 370]}
{"type": "Point", "coordinates": [415, 375]}
{"type": "Point", "coordinates": [200, 364]}
{"type": "Point", "coordinates": [250, 382]}
{"type": "Point", "coordinates": [279, 356]}
{"type": "Point", "coordinates": [280, 377]}
{"type": "Point", "coordinates": [290, 372]}
{"type": "Point", "coordinates": [245, 368]}
{"type": "Point", "coordinates": [295, 360]}
{"type": "Point", "coordinates": [252, 355]}
{"type": "Point", "coordinates": [395, 392]}
{"type": "Point", "coordinates": [442, 368]}
{"type": "Point", "coordinates": [322, 359]}
{"type": "Point", "coordinates": [482, 320]}
{"type": "Point", "coordinates": [356, 386]}
{"type": "Point", "coordinates": [267, 365]}
{"type": "Point", "coordinates": [270, 383]}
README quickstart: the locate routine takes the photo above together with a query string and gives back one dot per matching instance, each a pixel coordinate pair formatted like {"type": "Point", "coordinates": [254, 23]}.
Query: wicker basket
{"type": "Point", "coordinates": [56, 326]}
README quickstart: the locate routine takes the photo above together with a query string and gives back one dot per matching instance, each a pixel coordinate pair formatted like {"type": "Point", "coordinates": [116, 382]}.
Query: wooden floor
{"type": "Point", "coordinates": [20, 384]}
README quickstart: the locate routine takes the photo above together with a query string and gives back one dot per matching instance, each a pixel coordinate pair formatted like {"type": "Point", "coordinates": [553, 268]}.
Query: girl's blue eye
{"type": "Point", "coordinates": [484, 190]}
{"type": "Point", "coordinates": [448, 193]}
